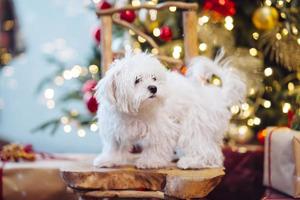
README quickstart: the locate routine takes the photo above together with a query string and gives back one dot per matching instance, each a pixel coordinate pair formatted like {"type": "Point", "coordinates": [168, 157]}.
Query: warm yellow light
{"type": "Point", "coordinates": [177, 48]}
{"type": "Point", "coordinates": [229, 19]}
{"type": "Point", "coordinates": [81, 133]}
{"type": "Point", "coordinates": [294, 30]}
{"type": "Point", "coordinates": [278, 36]}
{"type": "Point", "coordinates": [286, 107]}
{"type": "Point", "coordinates": [203, 20]}
{"type": "Point", "coordinates": [291, 86]}
{"type": "Point", "coordinates": [93, 127]}
{"type": "Point", "coordinates": [176, 54]}
{"type": "Point", "coordinates": [255, 35]}
{"type": "Point", "coordinates": [229, 26]}
{"type": "Point", "coordinates": [202, 46]}
{"type": "Point", "coordinates": [172, 8]}
{"type": "Point", "coordinates": [298, 41]}
{"type": "Point", "coordinates": [67, 128]}
{"type": "Point", "coordinates": [280, 3]}
{"type": "Point", "coordinates": [268, 2]}
{"type": "Point", "coordinates": [49, 93]}
{"type": "Point", "coordinates": [285, 31]}
{"type": "Point", "coordinates": [131, 32]}
{"type": "Point", "coordinates": [156, 32]}
{"type": "Point", "coordinates": [267, 104]}
{"type": "Point", "coordinates": [93, 69]}
{"type": "Point", "coordinates": [141, 39]}
{"type": "Point", "coordinates": [245, 106]}
{"type": "Point", "coordinates": [216, 81]}
{"type": "Point", "coordinates": [154, 51]}
{"type": "Point", "coordinates": [268, 71]}
{"type": "Point", "coordinates": [283, 15]}
{"type": "Point", "coordinates": [234, 109]}
{"type": "Point", "coordinates": [253, 52]}
{"type": "Point", "coordinates": [250, 122]}
{"type": "Point", "coordinates": [74, 113]}
{"type": "Point", "coordinates": [256, 121]}
{"type": "Point", "coordinates": [252, 91]}
{"type": "Point", "coordinates": [135, 3]}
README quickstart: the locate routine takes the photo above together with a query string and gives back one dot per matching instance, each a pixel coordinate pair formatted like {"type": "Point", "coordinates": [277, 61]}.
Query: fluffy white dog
{"type": "Point", "coordinates": [169, 115]}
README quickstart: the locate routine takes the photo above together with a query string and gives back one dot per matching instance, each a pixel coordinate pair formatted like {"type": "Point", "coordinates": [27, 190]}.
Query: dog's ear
{"type": "Point", "coordinates": [106, 88]}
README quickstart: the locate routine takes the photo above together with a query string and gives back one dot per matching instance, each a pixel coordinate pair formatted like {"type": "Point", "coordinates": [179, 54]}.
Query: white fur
{"type": "Point", "coordinates": [186, 116]}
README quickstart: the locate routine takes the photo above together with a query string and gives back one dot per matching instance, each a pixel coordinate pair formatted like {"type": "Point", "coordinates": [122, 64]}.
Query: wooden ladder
{"type": "Point", "coordinates": [110, 16]}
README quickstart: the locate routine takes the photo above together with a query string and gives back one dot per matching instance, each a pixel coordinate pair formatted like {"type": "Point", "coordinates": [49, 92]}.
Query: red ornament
{"type": "Point", "coordinates": [97, 34]}
{"type": "Point", "coordinates": [165, 33]}
{"type": "Point", "coordinates": [103, 5]}
{"type": "Point", "coordinates": [223, 7]}
{"type": "Point", "coordinates": [89, 86]}
{"type": "Point", "coordinates": [91, 102]}
{"type": "Point", "coordinates": [128, 15]}
{"type": "Point", "coordinates": [261, 136]}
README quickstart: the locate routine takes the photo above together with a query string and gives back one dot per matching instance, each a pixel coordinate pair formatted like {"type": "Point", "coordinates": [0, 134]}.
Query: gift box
{"type": "Point", "coordinates": [282, 160]}
{"type": "Point", "coordinates": [39, 179]}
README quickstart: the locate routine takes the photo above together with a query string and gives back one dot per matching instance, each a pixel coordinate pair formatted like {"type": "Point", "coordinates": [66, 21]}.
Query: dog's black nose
{"type": "Point", "coordinates": [152, 89]}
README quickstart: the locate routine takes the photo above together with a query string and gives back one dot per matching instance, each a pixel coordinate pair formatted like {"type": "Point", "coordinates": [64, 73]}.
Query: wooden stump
{"type": "Point", "coordinates": [128, 182]}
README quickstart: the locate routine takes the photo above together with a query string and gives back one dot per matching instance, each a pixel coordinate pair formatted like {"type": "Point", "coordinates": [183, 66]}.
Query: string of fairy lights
{"type": "Point", "coordinates": [245, 111]}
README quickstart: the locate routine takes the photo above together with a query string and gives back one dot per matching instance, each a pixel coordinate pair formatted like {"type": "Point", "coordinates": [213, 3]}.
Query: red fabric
{"type": "Point", "coordinates": [244, 175]}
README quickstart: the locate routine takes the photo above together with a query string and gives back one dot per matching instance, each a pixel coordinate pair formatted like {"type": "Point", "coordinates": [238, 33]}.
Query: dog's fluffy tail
{"type": "Point", "coordinates": [233, 86]}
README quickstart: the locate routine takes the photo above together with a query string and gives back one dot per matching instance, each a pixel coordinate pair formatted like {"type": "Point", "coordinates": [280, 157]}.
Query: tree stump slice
{"type": "Point", "coordinates": [128, 182]}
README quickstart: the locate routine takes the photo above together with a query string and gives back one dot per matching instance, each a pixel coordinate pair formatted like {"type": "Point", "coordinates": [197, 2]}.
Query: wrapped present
{"type": "Point", "coordinates": [282, 160]}
{"type": "Point", "coordinates": [38, 179]}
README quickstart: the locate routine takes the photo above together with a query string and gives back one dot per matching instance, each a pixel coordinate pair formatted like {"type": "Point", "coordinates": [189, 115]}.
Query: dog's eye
{"type": "Point", "coordinates": [137, 80]}
{"type": "Point", "coordinates": [154, 78]}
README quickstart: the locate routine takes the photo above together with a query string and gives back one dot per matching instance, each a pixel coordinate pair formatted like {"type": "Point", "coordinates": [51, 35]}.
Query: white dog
{"type": "Point", "coordinates": [141, 102]}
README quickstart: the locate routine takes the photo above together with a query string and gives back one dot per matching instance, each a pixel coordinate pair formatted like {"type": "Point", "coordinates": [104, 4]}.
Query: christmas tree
{"type": "Point", "coordinates": [260, 37]}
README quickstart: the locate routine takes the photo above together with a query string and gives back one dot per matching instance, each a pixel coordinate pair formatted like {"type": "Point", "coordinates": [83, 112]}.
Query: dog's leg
{"type": "Point", "coordinates": [200, 142]}
{"type": "Point", "coordinates": [113, 155]}
{"type": "Point", "coordinates": [151, 158]}
{"type": "Point", "coordinates": [158, 154]}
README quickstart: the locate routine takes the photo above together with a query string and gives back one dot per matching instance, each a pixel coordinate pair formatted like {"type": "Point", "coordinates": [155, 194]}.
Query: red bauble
{"type": "Point", "coordinates": [103, 5]}
{"type": "Point", "coordinates": [128, 15]}
{"type": "Point", "coordinates": [91, 102]}
{"type": "Point", "coordinates": [223, 7]}
{"type": "Point", "coordinates": [261, 136]}
{"type": "Point", "coordinates": [89, 86]}
{"type": "Point", "coordinates": [165, 33]}
{"type": "Point", "coordinates": [97, 34]}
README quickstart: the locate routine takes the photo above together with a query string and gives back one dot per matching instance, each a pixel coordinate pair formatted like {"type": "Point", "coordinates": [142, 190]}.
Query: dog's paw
{"type": "Point", "coordinates": [104, 161]}
{"type": "Point", "coordinates": [191, 163]}
{"type": "Point", "coordinates": [151, 163]}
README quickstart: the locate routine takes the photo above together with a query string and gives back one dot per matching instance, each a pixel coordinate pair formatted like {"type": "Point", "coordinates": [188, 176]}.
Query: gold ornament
{"type": "Point", "coordinates": [265, 18]}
